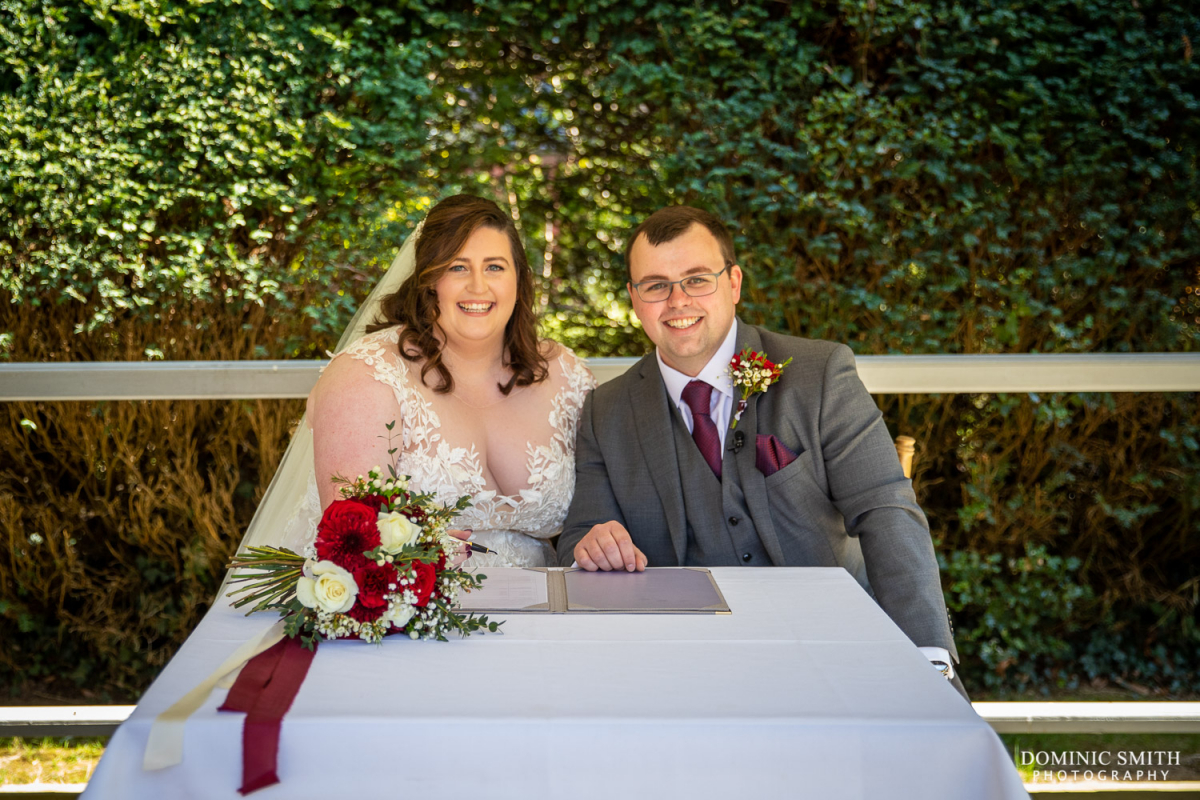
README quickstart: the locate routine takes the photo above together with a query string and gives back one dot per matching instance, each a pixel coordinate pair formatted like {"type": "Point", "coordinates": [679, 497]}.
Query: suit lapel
{"type": "Point", "coordinates": [754, 484]}
{"type": "Point", "coordinates": [653, 419]}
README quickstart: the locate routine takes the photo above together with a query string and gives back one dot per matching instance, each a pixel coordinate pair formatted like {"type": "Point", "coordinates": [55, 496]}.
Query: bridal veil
{"type": "Point", "coordinates": [282, 517]}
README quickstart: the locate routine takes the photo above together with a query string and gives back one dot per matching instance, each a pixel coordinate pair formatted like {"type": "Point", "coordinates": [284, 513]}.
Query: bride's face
{"type": "Point", "coordinates": [477, 293]}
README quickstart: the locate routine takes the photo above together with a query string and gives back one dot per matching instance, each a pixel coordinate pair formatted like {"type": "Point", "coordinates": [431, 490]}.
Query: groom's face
{"type": "Point", "coordinates": [687, 330]}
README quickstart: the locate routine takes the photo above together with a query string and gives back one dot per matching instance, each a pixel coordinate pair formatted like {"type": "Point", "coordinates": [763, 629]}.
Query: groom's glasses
{"type": "Point", "coordinates": [693, 286]}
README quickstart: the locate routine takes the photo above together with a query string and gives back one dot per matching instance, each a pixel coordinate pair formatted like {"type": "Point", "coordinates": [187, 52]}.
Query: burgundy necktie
{"type": "Point", "coordinates": [698, 396]}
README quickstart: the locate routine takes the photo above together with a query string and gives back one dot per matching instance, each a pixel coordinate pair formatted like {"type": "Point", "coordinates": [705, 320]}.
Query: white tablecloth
{"type": "Point", "coordinates": [806, 690]}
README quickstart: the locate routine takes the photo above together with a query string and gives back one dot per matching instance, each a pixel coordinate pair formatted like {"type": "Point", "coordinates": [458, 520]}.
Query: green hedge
{"type": "Point", "coordinates": [919, 177]}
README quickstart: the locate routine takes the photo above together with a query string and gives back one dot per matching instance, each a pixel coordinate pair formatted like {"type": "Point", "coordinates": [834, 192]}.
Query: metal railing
{"type": "Point", "coordinates": [232, 380]}
{"type": "Point", "coordinates": [31, 722]}
{"type": "Point", "coordinates": [1004, 717]}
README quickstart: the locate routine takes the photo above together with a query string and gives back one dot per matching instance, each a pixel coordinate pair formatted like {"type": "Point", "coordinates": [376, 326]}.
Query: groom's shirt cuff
{"type": "Point", "coordinates": [938, 654]}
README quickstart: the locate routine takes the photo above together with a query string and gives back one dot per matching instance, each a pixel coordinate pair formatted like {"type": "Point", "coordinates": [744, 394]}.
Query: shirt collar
{"type": "Point", "coordinates": [715, 372]}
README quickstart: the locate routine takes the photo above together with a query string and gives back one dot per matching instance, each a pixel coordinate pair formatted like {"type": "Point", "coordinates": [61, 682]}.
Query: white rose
{"type": "Point", "coordinates": [399, 614]}
{"type": "Point", "coordinates": [396, 531]}
{"type": "Point", "coordinates": [330, 588]}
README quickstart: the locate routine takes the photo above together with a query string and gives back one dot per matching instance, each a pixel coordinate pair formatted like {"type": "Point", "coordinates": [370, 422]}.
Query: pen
{"type": "Point", "coordinates": [478, 548]}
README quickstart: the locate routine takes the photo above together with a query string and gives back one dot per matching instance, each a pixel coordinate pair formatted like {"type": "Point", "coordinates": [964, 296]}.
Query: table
{"type": "Point", "coordinates": [806, 689]}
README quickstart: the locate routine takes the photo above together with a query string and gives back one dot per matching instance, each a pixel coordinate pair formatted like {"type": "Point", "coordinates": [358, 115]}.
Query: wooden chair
{"type": "Point", "coordinates": [906, 446]}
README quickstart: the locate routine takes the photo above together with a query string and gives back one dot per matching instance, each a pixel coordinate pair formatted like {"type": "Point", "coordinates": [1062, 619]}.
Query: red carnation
{"type": "Point", "coordinates": [373, 580]}
{"type": "Point", "coordinates": [422, 585]}
{"type": "Point", "coordinates": [346, 531]}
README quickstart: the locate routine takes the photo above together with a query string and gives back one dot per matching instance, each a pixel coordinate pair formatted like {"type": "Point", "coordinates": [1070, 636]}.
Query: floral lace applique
{"type": "Point", "coordinates": [509, 524]}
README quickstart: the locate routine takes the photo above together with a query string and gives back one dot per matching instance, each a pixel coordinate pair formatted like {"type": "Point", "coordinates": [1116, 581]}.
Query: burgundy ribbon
{"type": "Point", "coordinates": [264, 690]}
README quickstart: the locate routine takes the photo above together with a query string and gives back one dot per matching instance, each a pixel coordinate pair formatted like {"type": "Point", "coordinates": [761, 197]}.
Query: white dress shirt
{"type": "Point", "coordinates": [715, 374]}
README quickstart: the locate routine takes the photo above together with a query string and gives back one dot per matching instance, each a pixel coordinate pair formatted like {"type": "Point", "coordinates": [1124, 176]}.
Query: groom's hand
{"type": "Point", "coordinates": [608, 547]}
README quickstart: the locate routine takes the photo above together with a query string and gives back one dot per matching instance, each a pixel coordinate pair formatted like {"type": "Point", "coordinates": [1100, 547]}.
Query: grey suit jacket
{"type": "Point", "coordinates": [843, 502]}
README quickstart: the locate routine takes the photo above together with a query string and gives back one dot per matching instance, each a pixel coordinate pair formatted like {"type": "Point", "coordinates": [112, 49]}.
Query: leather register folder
{"type": "Point", "coordinates": [658, 590]}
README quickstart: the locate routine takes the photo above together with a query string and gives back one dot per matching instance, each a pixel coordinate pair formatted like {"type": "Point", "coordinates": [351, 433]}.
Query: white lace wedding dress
{"type": "Point", "coordinates": [515, 526]}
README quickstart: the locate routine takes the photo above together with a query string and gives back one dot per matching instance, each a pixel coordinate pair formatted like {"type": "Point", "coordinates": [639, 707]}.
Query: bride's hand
{"type": "Point", "coordinates": [464, 552]}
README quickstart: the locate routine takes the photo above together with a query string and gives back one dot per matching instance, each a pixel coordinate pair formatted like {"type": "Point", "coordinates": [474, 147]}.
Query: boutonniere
{"type": "Point", "coordinates": [752, 372]}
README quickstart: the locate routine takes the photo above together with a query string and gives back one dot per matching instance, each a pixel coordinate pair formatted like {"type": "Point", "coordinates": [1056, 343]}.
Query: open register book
{"type": "Point", "coordinates": [658, 590]}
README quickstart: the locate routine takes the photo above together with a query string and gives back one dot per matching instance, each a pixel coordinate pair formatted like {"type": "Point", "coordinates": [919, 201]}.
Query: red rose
{"type": "Point", "coordinates": [347, 530]}
{"type": "Point", "coordinates": [422, 585]}
{"type": "Point", "coordinates": [414, 513]}
{"type": "Point", "coordinates": [375, 501]}
{"type": "Point", "coordinates": [373, 580]}
{"type": "Point", "coordinates": [437, 570]}
{"type": "Point", "coordinates": [364, 614]}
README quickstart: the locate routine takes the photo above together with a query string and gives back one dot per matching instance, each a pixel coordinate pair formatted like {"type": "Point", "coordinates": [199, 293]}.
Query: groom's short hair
{"type": "Point", "coordinates": [672, 222]}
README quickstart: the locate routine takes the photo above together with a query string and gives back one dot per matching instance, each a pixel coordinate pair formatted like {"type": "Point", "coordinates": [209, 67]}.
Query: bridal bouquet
{"type": "Point", "coordinates": [377, 567]}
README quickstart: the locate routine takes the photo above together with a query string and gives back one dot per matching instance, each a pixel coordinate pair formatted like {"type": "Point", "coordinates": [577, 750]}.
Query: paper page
{"type": "Point", "coordinates": [506, 589]}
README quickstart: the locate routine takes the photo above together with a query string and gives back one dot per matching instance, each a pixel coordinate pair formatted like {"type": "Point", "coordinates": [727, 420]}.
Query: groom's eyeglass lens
{"type": "Point", "coordinates": [692, 286]}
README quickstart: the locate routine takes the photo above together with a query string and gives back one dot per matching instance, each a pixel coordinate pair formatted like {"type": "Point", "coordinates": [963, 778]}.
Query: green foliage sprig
{"type": "Point", "coordinates": [270, 575]}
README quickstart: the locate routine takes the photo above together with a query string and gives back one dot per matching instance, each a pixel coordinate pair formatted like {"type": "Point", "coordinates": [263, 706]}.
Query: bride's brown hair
{"type": "Point", "coordinates": [415, 304]}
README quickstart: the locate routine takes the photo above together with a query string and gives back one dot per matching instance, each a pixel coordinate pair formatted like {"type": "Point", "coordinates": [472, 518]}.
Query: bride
{"type": "Point", "coordinates": [481, 406]}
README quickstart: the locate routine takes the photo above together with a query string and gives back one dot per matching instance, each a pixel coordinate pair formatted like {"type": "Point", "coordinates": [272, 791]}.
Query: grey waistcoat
{"type": "Point", "coordinates": [714, 538]}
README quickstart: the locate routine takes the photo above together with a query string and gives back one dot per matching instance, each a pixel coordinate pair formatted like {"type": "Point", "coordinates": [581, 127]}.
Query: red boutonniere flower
{"type": "Point", "coordinates": [752, 372]}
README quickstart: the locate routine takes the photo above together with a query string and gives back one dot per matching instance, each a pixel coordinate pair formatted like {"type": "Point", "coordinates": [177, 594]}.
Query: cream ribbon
{"type": "Point", "coordinates": [165, 745]}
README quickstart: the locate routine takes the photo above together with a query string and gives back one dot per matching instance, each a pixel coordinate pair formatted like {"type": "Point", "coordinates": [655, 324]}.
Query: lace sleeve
{"type": "Point", "coordinates": [381, 352]}
{"type": "Point", "coordinates": [578, 381]}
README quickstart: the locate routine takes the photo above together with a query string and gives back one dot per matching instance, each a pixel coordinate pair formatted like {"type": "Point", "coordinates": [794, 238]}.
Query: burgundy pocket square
{"type": "Point", "coordinates": [772, 455]}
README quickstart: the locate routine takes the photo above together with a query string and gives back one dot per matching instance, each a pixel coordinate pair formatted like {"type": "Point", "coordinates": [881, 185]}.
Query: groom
{"type": "Point", "coordinates": [808, 477]}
